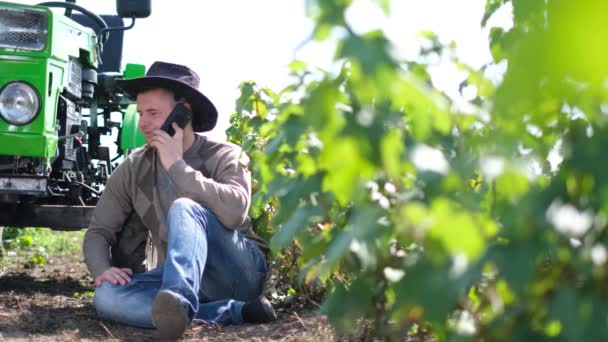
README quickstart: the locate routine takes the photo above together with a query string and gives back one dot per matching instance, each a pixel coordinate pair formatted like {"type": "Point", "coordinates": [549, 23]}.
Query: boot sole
{"type": "Point", "coordinates": [169, 316]}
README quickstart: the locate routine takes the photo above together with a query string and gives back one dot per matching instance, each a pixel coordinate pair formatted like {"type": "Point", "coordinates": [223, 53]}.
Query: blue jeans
{"type": "Point", "coordinates": [214, 270]}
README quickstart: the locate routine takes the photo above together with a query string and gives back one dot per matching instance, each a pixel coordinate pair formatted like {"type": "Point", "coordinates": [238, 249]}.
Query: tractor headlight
{"type": "Point", "coordinates": [23, 29]}
{"type": "Point", "coordinates": [19, 103]}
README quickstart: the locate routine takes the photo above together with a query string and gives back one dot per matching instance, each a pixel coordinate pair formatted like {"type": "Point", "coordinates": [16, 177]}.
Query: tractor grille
{"type": "Point", "coordinates": [23, 29]}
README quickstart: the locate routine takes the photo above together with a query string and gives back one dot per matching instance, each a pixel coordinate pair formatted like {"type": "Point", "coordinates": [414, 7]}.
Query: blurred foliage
{"type": "Point", "coordinates": [54, 242]}
{"type": "Point", "coordinates": [484, 223]}
{"type": "Point", "coordinates": [34, 245]}
{"type": "Point", "coordinates": [38, 259]}
{"type": "Point", "coordinates": [85, 295]}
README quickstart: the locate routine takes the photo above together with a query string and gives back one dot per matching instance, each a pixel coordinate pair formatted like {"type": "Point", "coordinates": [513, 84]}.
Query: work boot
{"type": "Point", "coordinates": [169, 315]}
{"type": "Point", "coordinates": [258, 311]}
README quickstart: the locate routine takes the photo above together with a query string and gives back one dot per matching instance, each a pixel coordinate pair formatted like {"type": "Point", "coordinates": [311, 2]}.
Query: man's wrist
{"type": "Point", "coordinates": [174, 163]}
{"type": "Point", "coordinates": [98, 270]}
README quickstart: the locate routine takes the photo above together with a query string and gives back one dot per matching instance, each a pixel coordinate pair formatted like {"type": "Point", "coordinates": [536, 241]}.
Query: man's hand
{"type": "Point", "coordinates": [114, 276]}
{"type": "Point", "coordinates": [170, 148]}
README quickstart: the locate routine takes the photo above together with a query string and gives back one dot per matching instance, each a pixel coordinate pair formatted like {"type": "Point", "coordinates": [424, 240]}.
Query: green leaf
{"type": "Point", "coordinates": [322, 32]}
{"type": "Point", "coordinates": [364, 222]}
{"type": "Point", "coordinates": [26, 241]}
{"type": "Point", "coordinates": [243, 103]}
{"type": "Point", "coordinates": [565, 309]}
{"type": "Point", "coordinates": [307, 166]}
{"type": "Point", "coordinates": [485, 88]}
{"type": "Point", "coordinates": [292, 192]}
{"type": "Point", "coordinates": [456, 230]}
{"type": "Point", "coordinates": [328, 13]}
{"type": "Point", "coordinates": [515, 263]}
{"type": "Point", "coordinates": [346, 305]}
{"type": "Point", "coordinates": [320, 108]}
{"type": "Point", "coordinates": [296, 223]}
{"type": "Point", "coordinates": [260, 108]}
{"type": "Point", "coordinates": [337, 250]}
{"type": "Point", "coordinates": [37, 259]}
{"type": "Point", "coordinates": [392, 146]}
{"type": "Point", "coordinates": [416, 213]}
{"type": "Point", "coordinates": [491, 7]}
{"type": "Point", "coordinates": [553, 329]}
{"type": "Point", "coordinates": [506, 294]}
{"type": "Point", "coordinates": [344, 167]}
{"type": "Point", "coordinates": [274, 144]}
{"type": "Point", "coordinates": [367, 233]}
{"type": "Point", "coordinates": [371, 51]}
{"type": "Point", "coordinates": [293, 129]}
{"type": "Point", "coordinates": [497, 44]}
{"type": "Point", "coordinates": [428, 34]}
{"type": "Point", "coordinates": [385, 5]}
{"type": "Point", "coordinates": [429, 288]}
{"type": "Point", "coordinates": [297, 66]}
{"type": "Point", "coordinates": [257, 204]}
{"type": "Point", "coordinates": [524, 10]}
{"type": "Point", "coordinates": [512, 185]}
{"type": "Point", "coordinates": [424, 108]}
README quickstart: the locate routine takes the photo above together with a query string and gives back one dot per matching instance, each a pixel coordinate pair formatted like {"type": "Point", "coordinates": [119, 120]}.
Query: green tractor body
{"type": "Point", "coordinates": [57, 97]}
{"type": "Point", "coordinates": [44, 66]}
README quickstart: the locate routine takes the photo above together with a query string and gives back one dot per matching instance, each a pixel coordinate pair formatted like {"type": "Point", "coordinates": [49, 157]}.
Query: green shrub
{"type": "Point", "coordinates": [416, 212]}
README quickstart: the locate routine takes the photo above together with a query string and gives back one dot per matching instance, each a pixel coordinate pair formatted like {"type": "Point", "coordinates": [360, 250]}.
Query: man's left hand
{"type": "Point", "coordinates": [170, 148]}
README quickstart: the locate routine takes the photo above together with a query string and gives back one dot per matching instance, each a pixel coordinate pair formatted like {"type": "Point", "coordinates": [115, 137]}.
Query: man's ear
{"type": "Point", "coordinates": [187, 105]}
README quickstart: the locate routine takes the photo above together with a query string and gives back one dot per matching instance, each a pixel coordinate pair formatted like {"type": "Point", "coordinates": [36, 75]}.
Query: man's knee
{"type": "Point", "coordinates": [183, 205]}
{"type": "Point", "coordinates": [106, 300]}
{"type": "Point", "coordinates": [186, 206]}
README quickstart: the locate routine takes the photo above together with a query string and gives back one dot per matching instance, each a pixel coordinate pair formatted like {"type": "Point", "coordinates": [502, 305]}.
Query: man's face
{"type": "Point", "coordinates": [153, 107]}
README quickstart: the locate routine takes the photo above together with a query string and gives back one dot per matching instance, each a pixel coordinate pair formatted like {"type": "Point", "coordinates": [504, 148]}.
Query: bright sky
{"type": "Point", "coordinates": [231, 41]}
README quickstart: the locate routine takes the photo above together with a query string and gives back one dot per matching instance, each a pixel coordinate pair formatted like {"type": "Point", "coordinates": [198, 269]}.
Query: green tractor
{"type": "Point", "coordinates": [57, 101]}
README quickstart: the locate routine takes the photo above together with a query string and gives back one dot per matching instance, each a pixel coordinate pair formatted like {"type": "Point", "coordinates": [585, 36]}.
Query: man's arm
{"type": "Point", "coordinates": [227, 194]}
{"type": "Point", "coordinates": [111, 211]}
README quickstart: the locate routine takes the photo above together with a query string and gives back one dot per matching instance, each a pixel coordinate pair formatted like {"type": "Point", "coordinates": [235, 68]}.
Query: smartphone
{"type": "Point", "coordinates": [180, 115]}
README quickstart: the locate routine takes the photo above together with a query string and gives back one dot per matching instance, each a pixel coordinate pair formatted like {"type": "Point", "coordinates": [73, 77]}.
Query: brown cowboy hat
{"type": "Point", "coordinates": [181, 80]}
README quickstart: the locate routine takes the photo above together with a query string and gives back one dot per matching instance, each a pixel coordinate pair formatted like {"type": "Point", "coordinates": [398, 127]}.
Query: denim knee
{"type": "Point", "coordinates": [189, 207]}
{"type": "Point", "coordinates": [106, 300]}
{"type": "Point", "coordinates": [182, 204]}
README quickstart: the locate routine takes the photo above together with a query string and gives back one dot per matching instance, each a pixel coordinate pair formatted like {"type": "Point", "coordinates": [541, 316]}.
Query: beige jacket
{"type": "Point", "coordinates": [211, 173]}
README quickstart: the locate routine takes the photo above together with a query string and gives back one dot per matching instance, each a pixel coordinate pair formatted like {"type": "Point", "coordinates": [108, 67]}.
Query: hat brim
{"type": "Point", "coordinates": [204, 112]}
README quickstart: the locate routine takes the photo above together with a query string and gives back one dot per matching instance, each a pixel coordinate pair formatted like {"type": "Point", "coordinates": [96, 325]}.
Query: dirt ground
{"type": "Point", "coordinates": [53, 303]}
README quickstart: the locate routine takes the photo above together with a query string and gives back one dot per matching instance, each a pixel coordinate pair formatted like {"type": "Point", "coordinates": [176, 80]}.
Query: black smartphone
{"type": "Point", "coordinates": [180, 115]}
